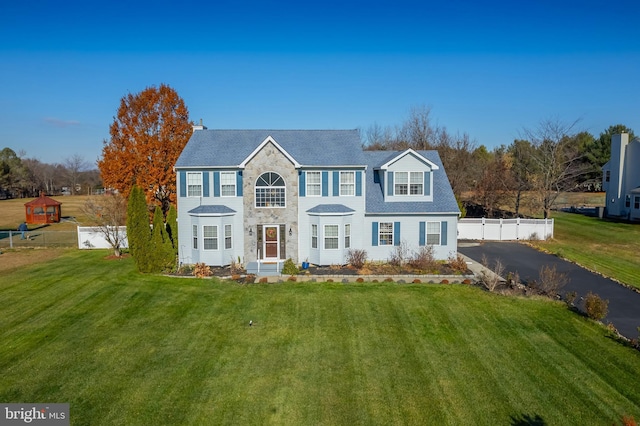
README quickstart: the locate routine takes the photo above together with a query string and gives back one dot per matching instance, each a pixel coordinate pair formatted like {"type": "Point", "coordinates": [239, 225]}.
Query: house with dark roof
{"type": "Point", "coordinates": [621, 178]}
{"type": "Point", "coordinates": [308, 195]}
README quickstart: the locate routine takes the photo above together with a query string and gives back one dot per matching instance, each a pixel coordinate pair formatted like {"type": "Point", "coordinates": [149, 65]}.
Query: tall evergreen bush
{"type": "Point", "coordinates": [162, 257]}
{"type": "Point", "coordinates": [138, 231]}
{"type": "Point", "coordinates": [172, 228]}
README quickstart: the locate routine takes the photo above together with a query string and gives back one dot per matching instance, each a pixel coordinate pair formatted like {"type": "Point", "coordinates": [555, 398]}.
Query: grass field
{"type": "Point", "coordinates": [606, 247]}
{"type": "Point", "coordinates": [13, 213]}
{"type": "Point", "coordinates": [124, 348]}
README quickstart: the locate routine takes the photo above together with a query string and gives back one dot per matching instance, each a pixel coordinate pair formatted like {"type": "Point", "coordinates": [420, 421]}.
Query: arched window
{"type": "Point", "coordinates": [270, 190]}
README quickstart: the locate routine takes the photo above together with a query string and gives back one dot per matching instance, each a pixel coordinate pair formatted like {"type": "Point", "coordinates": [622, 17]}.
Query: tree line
{"type": "Point", "coordinates": [22, 177]}
{"type": "Point", "coordinates": [551, 158]}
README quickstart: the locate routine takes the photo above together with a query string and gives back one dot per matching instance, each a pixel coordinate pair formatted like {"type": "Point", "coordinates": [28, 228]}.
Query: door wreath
{"type": "Point", "coordinates": [271, 233]}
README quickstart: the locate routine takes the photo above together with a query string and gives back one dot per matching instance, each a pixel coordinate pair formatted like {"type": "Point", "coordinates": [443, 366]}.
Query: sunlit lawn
{"type": "Point", "coordinates": [123, 348]}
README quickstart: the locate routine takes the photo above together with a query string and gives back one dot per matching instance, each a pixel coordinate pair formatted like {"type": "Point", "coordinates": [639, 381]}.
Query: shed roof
{"type": "Point", "coordinates": [43, 200]}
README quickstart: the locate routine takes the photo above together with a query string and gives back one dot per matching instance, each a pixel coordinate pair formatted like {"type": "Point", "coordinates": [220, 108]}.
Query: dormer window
{"type": "Point", "coordinates": [408, 183]}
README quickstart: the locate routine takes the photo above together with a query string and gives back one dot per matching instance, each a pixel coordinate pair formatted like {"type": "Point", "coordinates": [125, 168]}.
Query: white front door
{"type": "Point", "coordinates": [271, 242]}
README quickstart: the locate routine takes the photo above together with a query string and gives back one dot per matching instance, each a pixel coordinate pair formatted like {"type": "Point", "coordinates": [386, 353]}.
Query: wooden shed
{"type": "Point", "coordinates": [42, 210]}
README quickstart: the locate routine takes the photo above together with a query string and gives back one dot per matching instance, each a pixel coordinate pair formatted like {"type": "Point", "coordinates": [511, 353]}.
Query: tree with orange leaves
{"type": "Point", "coordinates": [148, 134]}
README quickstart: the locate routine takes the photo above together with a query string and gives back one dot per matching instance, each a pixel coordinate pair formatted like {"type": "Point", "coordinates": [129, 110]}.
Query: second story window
{"type": "Point", "coordinates": [228, 184]}
{"type": "Point", "coordinates": [194, 184]}
{"type": "Point", "coordinates": [270, 190]}
{"type": "Point", "coordinates": [314, 184]}
{"type": "Point", "coordinates": [408, 183]}
{"type": "Point", "coordinates": [347, 183]}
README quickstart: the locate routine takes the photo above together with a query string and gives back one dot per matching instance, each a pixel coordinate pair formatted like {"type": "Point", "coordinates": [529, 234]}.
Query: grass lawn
{"type": "Point", "coordinates": [606, 247]}
{"type": "Point", "coordinates": [123, 348]}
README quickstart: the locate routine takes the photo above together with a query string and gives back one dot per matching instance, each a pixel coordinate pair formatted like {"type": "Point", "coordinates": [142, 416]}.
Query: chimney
{"type": "Point", "coordinates": [199, 126]}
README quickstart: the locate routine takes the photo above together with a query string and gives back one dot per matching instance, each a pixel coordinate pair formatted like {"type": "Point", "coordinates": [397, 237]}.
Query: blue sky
{"type": "Point", "coordinates": [487, 68]}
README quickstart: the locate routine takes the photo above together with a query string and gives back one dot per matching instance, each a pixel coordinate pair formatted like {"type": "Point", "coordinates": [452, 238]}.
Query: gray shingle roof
{"type": "Point", "coordinates": [228, 148]}
{"type": "Point", "coordinates": [443, 199]}
{"type": "Point", "coordinates": [211, 209]}
{"type": "Point", "coordinates": [330, 208]}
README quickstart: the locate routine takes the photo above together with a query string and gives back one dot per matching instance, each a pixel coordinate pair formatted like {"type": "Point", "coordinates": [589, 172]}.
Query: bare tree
{"type": "Point", "coordinates": [75, 165]}
{"type": "Point", "coordinates": [556, 159]}
{"type": "Point", "coordinates": [110, 213]}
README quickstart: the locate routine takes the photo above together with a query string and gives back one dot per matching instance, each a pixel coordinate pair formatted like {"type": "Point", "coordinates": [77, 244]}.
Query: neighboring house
{"type": "Point", "coordinates": [621, 178]}
{"type": "Point", "coordinates": [307, 195]}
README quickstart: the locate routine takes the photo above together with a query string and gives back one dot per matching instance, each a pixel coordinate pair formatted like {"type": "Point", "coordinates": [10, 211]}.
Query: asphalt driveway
{"type": "Point", "coordinates": [624, 304]}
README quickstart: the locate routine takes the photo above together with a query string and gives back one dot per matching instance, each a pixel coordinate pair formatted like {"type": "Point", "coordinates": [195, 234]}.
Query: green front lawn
{"type": "Point", "coordinates": [610, 248]}
{"type": "Point", "coordinates": [123, 348]}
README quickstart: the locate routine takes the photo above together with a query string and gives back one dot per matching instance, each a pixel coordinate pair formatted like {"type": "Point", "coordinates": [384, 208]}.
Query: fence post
{"type": "Point", "coordinates": [483, 228]}
{"type": "Point", "coordinates": [10, 239]}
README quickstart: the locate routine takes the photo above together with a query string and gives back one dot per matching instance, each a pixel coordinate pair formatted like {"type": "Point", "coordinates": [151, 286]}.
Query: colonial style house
{"type": "Point", "coordinates": [621, 178]}
{"type": "Point", "coordinates": [308, 195]}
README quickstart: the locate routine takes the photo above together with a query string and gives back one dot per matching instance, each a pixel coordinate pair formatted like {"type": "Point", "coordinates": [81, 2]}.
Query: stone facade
{"type": "Point", "coordinates": [270, 159]}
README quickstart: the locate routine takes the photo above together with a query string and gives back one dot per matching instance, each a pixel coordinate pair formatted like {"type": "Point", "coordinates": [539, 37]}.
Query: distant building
{"type": "Point", "coordinates": [42, 210]}
{"type": "Point", "coordinates": [621, 178]}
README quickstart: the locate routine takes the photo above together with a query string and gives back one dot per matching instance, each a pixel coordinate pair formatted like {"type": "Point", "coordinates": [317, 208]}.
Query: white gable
{"type": "Point", "coordinates": [268, 140]}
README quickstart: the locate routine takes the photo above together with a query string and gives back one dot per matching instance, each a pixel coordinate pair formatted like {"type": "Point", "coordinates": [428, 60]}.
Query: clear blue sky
{"type": "Point", "coordinates": [487, 68]}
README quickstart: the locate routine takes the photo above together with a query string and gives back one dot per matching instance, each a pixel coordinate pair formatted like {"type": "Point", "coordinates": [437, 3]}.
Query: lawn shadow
{"type": "Point", "coordinates": [527, 420]}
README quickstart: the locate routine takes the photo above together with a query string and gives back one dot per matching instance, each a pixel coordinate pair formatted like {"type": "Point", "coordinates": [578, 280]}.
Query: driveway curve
{"type": "Point", "coordinates": [624, 304]}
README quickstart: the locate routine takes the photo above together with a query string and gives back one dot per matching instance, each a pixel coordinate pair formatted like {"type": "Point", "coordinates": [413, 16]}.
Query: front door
{"type": "Point", "coordinates": [271, 242]}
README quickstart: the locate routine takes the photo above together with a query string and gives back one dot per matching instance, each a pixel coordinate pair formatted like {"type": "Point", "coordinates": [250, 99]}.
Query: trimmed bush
{"type": "Point", "coordinates": [201, 270]}
{"type": "Point", "coordinates": [290, 268]}
{"type": "Point", "coordinates": [596, 307]}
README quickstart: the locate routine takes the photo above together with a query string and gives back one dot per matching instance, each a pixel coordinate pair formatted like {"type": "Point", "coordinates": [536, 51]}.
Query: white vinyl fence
{"type": "Point", "coordinates": [504, 229]}
{"type": "Point", "coordinates": [92, 238]}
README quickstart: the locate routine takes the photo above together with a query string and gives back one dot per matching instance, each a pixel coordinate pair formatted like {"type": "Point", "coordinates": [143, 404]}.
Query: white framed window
{"type": "Point", "coordinates": [314, 236]}
{"type": "Point", "coordinates": [270, 190]}
{"type": "Point", "coordinates": [194, 233]}
{"type": "Point", "coordinates": [408, 183]}
{"type": "Point", "coordinates": [330, 237]}
{"type": "Point", "coordinates": [433, 233]}
{"type": "Point", "coordinates": [314, 184]}
{"type": "Point", "coordinates": [347, 183]}
{"type": "Point", "coordinates": [636, 202]}
{"type": "Point", "coordinates": [194, 184]}
{"type": "Point", "coordinates": [385, 234]}
{"type": "Point", "coordinates": [210, 237]}
{"type": "Point", "coordinates": [347, 235]}
{"type": "Point", "coordinates": [227, 237]}
{"type": "Point", "coordinates": [228, 184]}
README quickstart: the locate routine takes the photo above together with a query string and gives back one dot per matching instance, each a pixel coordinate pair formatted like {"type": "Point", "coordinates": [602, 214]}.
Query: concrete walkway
{"type": "Point", "coordinates": [624, 304]}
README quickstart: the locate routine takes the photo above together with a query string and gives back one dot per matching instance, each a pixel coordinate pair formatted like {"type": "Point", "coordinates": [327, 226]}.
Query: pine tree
{"type": "Point", "coordinates": [138, 232]}
{"type": "Point", "coordinates": [172, 228]}
{"type": "Point", "coordinates": [162, 256]}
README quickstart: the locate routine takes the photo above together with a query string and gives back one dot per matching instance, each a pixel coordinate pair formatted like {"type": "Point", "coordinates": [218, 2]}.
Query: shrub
{"type": "Point", "coordinates": [466, 281]}
{"type": "Point", "coordinates": [360, 280]}
{"type": "Point", "coordinates": [356, 257]}
{"type": "Point", "coordinates": [399, 255]}
{"type": "Point", "coordinates": [457, 263]}
{"type": "Point", "coordinates": [264, 280]}
{"type": "Point", "coordinates": [202, 270]}
{"type": "Point", "coordinates": [235, 267]}
{"type": "Point", "coordinates": [491, 278]}
{"type": "Point", "coordinates": [289, 268]}
{"type": "Point", "coordinates": [292, 278]}
{"type": "Point", "coordinates": [417, 281]}
{"type": "Point", "coordinates": [424, 259]}
{"type": "Point", "coordinates": [445, 281]}
{"type": "Point", "coordinates": [570, 297]}
{"type": "Point", "coordinates": [550, 281]}
{"type": "Point", "coordinates": [388, 280]}
{"type": "Point", "coordinates": [595, 306]}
